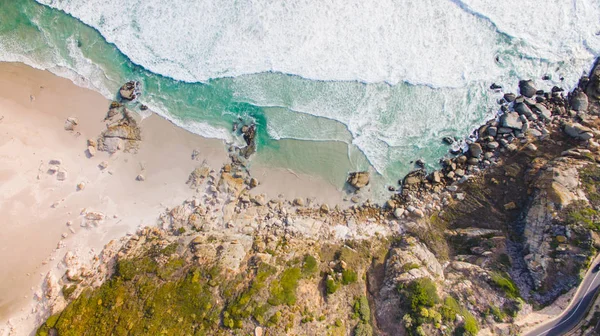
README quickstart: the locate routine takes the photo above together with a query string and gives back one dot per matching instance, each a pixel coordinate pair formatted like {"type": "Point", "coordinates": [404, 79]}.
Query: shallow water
{"type": "Point", "coordinates": [375, 84]}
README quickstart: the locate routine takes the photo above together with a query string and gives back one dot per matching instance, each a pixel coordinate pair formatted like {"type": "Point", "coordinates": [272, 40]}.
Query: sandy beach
{"type": "Point", "coordinates": [41, 217]}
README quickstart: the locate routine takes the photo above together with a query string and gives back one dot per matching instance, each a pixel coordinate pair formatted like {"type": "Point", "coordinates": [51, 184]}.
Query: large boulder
{"type": "Point", "coordinates": [523, 109]}
{"type": "Point", "coordinates": [359, 179]}
{"type": "Point", "coordinates": [578, 131]}
{"type": "Point", "coordinates": [511, 120]}
{"type": "Point", "coordinates": [579, 101]}
{"type": "Point", "coordinates": [475, 150]}
{"type": "Point", "coordinates": [130, 90]}
{"type": "Point", "coordinates": [527, 88]}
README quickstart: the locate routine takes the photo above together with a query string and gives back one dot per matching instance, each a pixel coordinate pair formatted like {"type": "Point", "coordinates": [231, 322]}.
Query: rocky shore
{"type": "Point", "coordinates": [503, 228]}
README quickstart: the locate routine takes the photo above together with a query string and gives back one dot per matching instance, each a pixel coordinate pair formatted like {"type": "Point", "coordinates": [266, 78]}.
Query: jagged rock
{"type": "Point", "coordinates": [511, 120]}
{"type": "Point", "coordinates": [579, 101]}
{"type": "Point", "coordinates": [358, 179]}
{"type": "Point", "coordinates": [197, 176]}
{"type": "Point", "coordinates": [130, 90]}
{"type": "Point", "coordinates": [578, 131]}
{"type": "Point", "coordinates": [523, 109]}
{"type": "Point", "coordinates": [527, 88]}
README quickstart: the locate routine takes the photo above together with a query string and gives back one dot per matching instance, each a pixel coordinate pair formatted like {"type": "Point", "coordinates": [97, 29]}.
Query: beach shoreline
{"type": "Point", "coordinates": [43, 216]}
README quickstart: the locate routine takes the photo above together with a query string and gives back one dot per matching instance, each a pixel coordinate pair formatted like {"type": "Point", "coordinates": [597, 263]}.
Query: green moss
{"type": "Point", "coordinates": [363, 329]}
{"type": "Point", "coordinates": [470, 326]}
{"type": "Point", "coordinates": [498, 314]}
{"type": "Point", "coordinates": [504, 282]}
{"type": "Point", "coordinates": [283, 291]}
{"type": "Point", "coordinates": [409, 266]}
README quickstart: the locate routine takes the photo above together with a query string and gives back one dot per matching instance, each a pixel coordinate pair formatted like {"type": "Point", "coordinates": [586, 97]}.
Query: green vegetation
{"type": "Point", "coordinates": [310, 266]}
{"type": "Point", "coordinates": [470, 326]}
{"type": "Point", "coordinates": [68, 291]}
{"type": "Point", "coordinates": [409, 266]}
{"type": "Point", "coordinates": [349, 277]}
{"type": "Point", "coordinates": [331, 286]}
{"type": "Point", "coordinates": [499, 315]}
{"type": "Point", "coordinates": [422, 293]}
{"type": "Point", "coordinates": [582, 214]}
{"type": "Point", "coordinates": [504, 282]}
{"type": "Point", "coordinates": [450, 309]}
{"type": "Point", "coordinates": [363, 312]}
{"type": "Point", "coordinates": [283, 291]}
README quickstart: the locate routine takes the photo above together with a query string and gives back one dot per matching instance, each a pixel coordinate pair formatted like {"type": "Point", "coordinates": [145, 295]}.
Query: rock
{"type": "Point", "coordinates": [325, 208]}
{"type": "Point", "coordinates": [448, 140]}
{"type": "Point", "coordinates": [359, 179]}
{"type": "Point", "coordinates": [492, 131]}
{"type": "Point", "coordinates": [197, 176]}
{"type": "Point", "coordinates": [355, 199]}
{"type": "Point", "coordinates": [561, 239]}
{"type": "Point", "coordinates": [103, 165]}
{"type": "Point", "coordinates": [253, 183]}
{"type": "Point", "coordinates": [91, 142]}
{"type": "Point", "coordinates": [398, 212]}
{"type": "Point", "coordinates": [531, 147]}
{"type": "Point", "coordinates": [71, 123]}
{"type": "Point", "coordinates": [511, 120]}
{"type": "Point", "coordinates": [143, 107]}
{"type": "Point", "coordinates": [510, 206]}
{"type": "Point", "coordinates": [299, 202]}
{"type": "Point", "coordinates": [493, 145]}
{"type": "Point", "coordinates": [523, 109]}
{"type": "Point", "coordinates": [509, 97]}
{"type": "Point", "coordinates": [593, 86]}
{"type": "Point", "coordinates": [260, 200]}
{"type": "Point", "coordinates": [91, 150]}
{"type": "Point", "coordinates": [61, 175]}
{"type": "Point", "coordinates": [130, 90]}
{"type": "Point", "coordinates": [495, 86]}
{"type": "Point", "coordinates": [545, 114]}
{"type": "Point", "coordinates": [526, 88]}
{"type": "Point", "coordinates": [475, 150]}
{"type": "Point", "coordinates": [140, 178]}
{"type": "Point", "coordinates": [579, 101]}
{"type": "Point", "coordinates": [578, 131]}
{"type": "Point", "coordinates": [55, 162]}
{"type": "Point", "coordinates": [80, 186]}
{"type": "Point", "coordinates": [258, 331]}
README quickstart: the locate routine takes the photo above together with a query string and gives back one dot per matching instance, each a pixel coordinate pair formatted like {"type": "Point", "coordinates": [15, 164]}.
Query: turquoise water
{"type": "Point", "coordinates": [315, 126]}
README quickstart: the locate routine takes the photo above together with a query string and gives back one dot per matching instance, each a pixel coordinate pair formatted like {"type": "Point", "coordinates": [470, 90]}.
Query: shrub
{"type": "Point", "coordinates": [362, 309]}
{"type": "Point", "coordinates": [471, 325]}
{"type": "Point", "coordinates": [363, 329]}
{"type": "Point", "coordinates": [409, 266]}
{"type": "Point", "coordinates": [422, 293]}
{"type": "Point", "coordinates": [349, 276]}
{"type": "Point", "coordinates": [310, 266]}
{"type": "Point", "coordinates": [450, 309]}
{"type": "Point", "coordinates": [331, 286]}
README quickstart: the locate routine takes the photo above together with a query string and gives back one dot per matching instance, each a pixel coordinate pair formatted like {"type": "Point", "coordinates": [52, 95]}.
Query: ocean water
{"type": "Point", "coordinates": [378, 83]}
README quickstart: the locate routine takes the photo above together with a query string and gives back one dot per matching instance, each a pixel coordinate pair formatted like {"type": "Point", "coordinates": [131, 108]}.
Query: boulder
{"type": "Point", "coordinates": [130, 90]}
{"type": "Point", "coordinates": [475, 150]}
{"type": "Point", "coordinates": [593, 86]}
{"type": "Point", "coordinates": [359, 179]}
{"type": "Point", "coordinates": [511, 120]}
{"type": "Point", "coordinates": [578, 131]}
{"type": "Point", "coordinates": [510, 97]}
{"type": "Point", "coordinates": [527, 88]}
{"type": "Point", "coordinates": [579, 101]}
{"type": "Point", "coordinates": [253, 183]}
{"type": "Point", "coordinates": [91, 151]}
{"type": "Point", "coordinates": [523, 109]}
{"type": "Point", "coordinates": [544, 113]}
{"type": "Point", "coordinates": [398, 212]}
{"type": "Point", "coordinates": [140, 178]}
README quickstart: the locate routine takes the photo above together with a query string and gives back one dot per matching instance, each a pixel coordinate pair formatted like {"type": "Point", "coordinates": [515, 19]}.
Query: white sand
{"type": "Point", "coordinates": [33, 108]}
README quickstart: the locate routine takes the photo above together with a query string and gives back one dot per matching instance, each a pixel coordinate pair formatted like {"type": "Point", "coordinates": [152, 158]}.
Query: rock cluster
{"type": "Point", "coordinates": [130, 90]}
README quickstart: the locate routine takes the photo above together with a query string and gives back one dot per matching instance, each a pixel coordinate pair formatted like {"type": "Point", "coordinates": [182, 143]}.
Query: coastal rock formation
{"type": "Point", "coordinates": [130, 90]}
{"type": "Point", "coordinates": [122, 132]}
{"type": "Point", "coordinates": [359, 179]}
{"type": "Point", "coordinates": [527, 88]}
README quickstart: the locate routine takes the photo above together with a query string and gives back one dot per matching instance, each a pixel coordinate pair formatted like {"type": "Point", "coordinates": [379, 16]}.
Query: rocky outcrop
{"type": "Point", "coordinates": [130, 90]}
{"type": "Point", "coordinates": [359, 179]}
{"type": "Point", "coordinates": [122, 132]}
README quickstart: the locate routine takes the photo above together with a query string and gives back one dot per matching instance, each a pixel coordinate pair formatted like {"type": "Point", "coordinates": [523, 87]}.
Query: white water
{"type": "Point", "coordinates": [441, 43]}
{"type": "Point", "coordinates": [451, 49]}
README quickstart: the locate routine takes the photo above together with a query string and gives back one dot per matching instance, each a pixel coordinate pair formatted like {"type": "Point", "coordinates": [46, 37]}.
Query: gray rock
{"type": "Point", "coordinates": [578, 131]}
{"type": "Point", "coordinates": [544, 113]}
{"type": "Point", "coordinates": [579, 101]}
{"type": "Point", "coordinates": [511, 120]}
{"type": "Point", "coordinates": [493, 145]}
{"type": "Point", "coordinates": [523, 109]}
{"type": "Point", "coordinates": [492, 131]}
{"type": "Point", "coordinates": [140, 178]}
{"type": "Point", "coordinates": [510, 97]}
{"type": "Point", "coordinates": [527, 88]}
{"type": "Point", "coordinates": [398, 212]}
{"type": "Point", "coordinates": [475, 150]}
